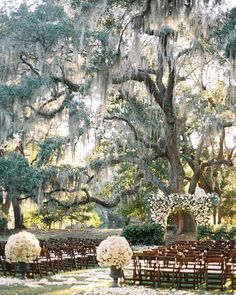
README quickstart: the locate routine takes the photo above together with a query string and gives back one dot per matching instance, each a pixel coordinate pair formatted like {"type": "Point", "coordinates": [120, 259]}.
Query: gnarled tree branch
{"type": "Point", "coordinates": [108, 203]}
{"type": "Point", "coordinates": [24, 61]}
{"type": "Point", "coordinates": [138, 138]}
{"type": "Point", "coordinates": [141, 76]}
{"type": "Point", "coordinates": [50, 114]}
{"type": "Point", "coordinates": [71, 85]}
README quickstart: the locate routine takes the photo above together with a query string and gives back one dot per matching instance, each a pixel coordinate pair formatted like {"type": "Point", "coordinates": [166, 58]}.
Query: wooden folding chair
{"type": "Point", "coordinates": [91, 256]}
{"type": "Point", "coordinates": [148, 272]}
{"type": "Point", "coordinates": [80, 256]}
{"type": "Point", "coordinates": [68, 257]}
{"type": "Point", "coordinates": [46, 262]}
{"type": "Point", "coordinates": [3, 263]}
{"type": "Point", "coordinates": [34, 268]}
{"type": "Point", "coordinates": [233, 272]}
{"type": "Point", "coordinates": [189, 272]}
{"type": "Point", "coordinates": [131, 272]}
{"type": "Point", "coordinates": [215, 272]}
{"type": "Point", "coordinates": [167, 271]}
{"type": "Point", "coordinates": [5, 266]}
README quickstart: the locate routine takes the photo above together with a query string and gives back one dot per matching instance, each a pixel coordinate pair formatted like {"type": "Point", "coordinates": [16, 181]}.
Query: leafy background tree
{"type": "Point", "coordinates": [130, 81]}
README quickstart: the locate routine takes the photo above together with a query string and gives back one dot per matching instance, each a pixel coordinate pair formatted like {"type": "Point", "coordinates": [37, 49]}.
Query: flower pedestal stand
{"type": "Point", "coordinates": [23, 269]}
{"type": "Point", "coordinates": [115, 273]}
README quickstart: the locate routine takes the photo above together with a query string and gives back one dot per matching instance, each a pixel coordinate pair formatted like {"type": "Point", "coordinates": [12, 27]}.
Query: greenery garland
{"type": "Point", "coordinates": [200, 206]}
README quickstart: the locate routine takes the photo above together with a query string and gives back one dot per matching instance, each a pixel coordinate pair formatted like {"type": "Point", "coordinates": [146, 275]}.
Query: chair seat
{"type": "Point", "coordinates": [187, 270]}
{"type": "Point", "coordinates": [214, 272]}
{"type": "Point", "coordinates": [166, 269]}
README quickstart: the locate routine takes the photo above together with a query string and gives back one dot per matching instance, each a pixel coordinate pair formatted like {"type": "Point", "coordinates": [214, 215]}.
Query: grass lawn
{"type": "Point", "coordinates": [87, 233]}
{"type": "Point", "coordinates": [91, 281]}
{"type": "Point", "coordinates": [75, 282]}
{"type": "Point", "coordinates": [52, 290]}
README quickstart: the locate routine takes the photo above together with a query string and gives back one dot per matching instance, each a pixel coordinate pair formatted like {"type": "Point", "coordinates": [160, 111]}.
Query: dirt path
{"type": "Point", "coordinates": [92, 234]}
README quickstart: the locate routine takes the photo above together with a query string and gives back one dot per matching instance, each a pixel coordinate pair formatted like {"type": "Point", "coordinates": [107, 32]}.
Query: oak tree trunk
{"type": "Point", "coordinates": [176, 169]}
{"type": "Point", "coordinates": [185, 223]}
{"type": "Point", "coordinates": [5, 211]}
{"type": "Point", "coordinates": [17, 213]}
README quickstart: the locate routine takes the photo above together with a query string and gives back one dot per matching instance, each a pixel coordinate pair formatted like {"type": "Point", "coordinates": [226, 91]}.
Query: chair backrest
{"type": "Point", "coordinates": [214, 263]}
{"type": "Point", "coordinates": [192, 253]}
{"type": "Point", "coordinates": [189, 258]}
{"type": "Point", "coordinates": [214, 255]}
{"type": "Point", "coordinates": [145, 257]}
{"type": "Point", "coordinates": [188, 262]}
{"type": "Point", "coordinates": [166, 260]}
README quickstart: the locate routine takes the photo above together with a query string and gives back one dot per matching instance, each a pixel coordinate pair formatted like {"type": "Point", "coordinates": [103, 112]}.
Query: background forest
{"type": "Point", "coordinates": [105, 102]}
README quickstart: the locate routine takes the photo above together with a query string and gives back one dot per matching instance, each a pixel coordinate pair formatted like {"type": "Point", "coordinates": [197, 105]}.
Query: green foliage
{"type": "Point", "coordinates": [54, 214]}
{"type": "Point", "coordinates": [102, 59]}
{"type": "Point", "coordinates": [47, 215]}
{"type": "Point", "coordinates": [228, 206]}
{"type": "Point", "coordinates": [51, 147]}
{"type": "Point", "coordinates": [102, 54]}
{"type": "Point", "coordinates": [232, 233]}
{"type": "Point", "coordinates": [46, 24]}
{"type": "Point", "coordinates": [136, 207]}
{"type": "Point", "coordinates": [94, 220]}
{"type": "Point", "coordinates": [225, 35]}
{"type": "Point", "coordinates": [37, 38]}
{"type": "Point", "coordinates": [15, 172]}
{"type": "Point", "coordinates": [215, 2]}
{"type": "Point", "coordinates": [79, 214]}
{"type": "Point", "coordinates": [55, 50]}
{"type": "Point", "coordinates": [204, 232]}
{"type": "Point", "coordinates": [147, 234]}
{"type": "Point", "coordinates": [220, 233]}
{"type": "Point", "coordinates": [89, 4]}
{"type": "Point", "coordinates": [216, 233]}
{"type": "Point", "coordinates": [83, 5]}
{"type": "Point", "coordinates": [96, 164]}
{"type": "Point", "coordinates": [23, 93]}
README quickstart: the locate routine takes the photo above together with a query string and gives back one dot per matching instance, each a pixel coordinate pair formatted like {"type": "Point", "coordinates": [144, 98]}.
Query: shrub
{"type": "Point", "coordinates": [220, 233]}
{"type": "Point", "coordinates": [204, 232]}
{"type": "Point", "coordinates": [232, 233]}
{"type": "Point", "coordinates": [216, 233]}
{"type": "Point", "coordinates": [147, 234]}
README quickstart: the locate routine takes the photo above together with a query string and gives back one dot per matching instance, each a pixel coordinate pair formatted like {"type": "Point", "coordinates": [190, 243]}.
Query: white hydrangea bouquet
{"type": "Point", "coordinates": [114, 251]}
{"type": "Point", "coordinates": [22, 247]}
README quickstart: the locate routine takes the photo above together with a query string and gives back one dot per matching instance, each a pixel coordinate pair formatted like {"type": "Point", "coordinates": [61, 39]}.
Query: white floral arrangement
{"type": "Point", "coordinates": [200, 206]}
{"type": "Point", "coordinates": [22, 247]}
{"type": "Point", "coordinates": [114, 251]}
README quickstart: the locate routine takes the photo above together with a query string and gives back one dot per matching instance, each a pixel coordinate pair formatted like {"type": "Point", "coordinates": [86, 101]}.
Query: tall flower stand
{"type": "Point", "coordinates": [115, 274]}
{"type": "Point", "coordinates": [23, 269]}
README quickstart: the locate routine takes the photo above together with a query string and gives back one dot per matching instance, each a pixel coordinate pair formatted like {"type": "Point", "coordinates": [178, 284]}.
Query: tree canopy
{"type": "Point", "coordinates": [148, 87]}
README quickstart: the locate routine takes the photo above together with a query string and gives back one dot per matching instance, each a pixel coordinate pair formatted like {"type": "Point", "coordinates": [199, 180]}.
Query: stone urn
{"type": "Point", "coordinates": [23, 269]}
{"type": "Point", "coordinates": [115, 274]}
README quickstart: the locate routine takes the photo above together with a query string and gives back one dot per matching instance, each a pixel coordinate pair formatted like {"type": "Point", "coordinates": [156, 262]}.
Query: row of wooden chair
{"type": "Point", "coordinates": [184, 266]}
{"type": "Point", "coordinates": [54, 257]}
{"type": "Point", "coordinates": [182, 272]}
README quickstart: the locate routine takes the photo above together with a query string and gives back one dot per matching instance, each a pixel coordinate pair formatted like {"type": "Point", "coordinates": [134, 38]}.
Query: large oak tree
{"type": "Point", "coordinates": [160, 75]}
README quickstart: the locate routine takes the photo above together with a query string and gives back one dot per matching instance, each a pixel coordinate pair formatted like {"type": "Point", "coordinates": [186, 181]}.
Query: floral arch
{"type": "Point", "coordinates": [200, 206]}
